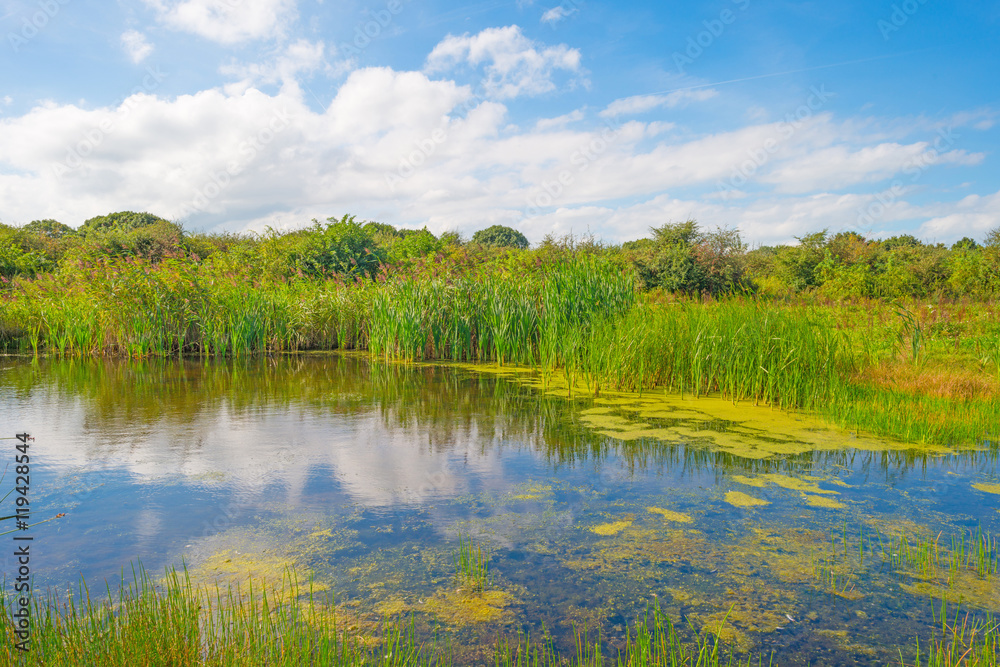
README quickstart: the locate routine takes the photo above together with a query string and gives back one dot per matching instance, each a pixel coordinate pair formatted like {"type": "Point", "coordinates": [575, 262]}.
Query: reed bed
{"type": "Point", "coordinates": [174, 622]}
{"type": "Point", "coordinates": [654, 642]}
{"type": "Point", "coordinates": [962, 641]}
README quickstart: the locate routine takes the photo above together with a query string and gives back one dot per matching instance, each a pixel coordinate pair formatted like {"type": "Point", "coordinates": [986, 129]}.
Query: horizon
{"type": "Point", "coordinates": [570, 118]}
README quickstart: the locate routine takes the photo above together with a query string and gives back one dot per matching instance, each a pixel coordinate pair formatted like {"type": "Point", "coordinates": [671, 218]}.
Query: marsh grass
{"type": "Point", "coordinates": [472, 565]}
{"type": "Point", "coordinates": [972, 553]}
{"type": "Point", "coordinates": [654, 642]}
{"type": "Point", "coordinates": [962, 641]}
{"type": "Point", "coordinates": [175, 622]}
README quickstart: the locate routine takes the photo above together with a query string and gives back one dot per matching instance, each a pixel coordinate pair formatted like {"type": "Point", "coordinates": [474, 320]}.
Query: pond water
{"type": "Point", "coordinates": [363, 475]}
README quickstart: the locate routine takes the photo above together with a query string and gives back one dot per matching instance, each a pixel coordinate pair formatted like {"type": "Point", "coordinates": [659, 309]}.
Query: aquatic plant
{"type": "Point", "coordinates": [472, 564]}
{"type": "Point", "coordinates": [174, 622]}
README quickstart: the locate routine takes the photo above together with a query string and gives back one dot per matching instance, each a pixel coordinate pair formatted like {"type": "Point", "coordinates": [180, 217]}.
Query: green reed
{"type": "Point", "coordinates": [973, 552]}
{"type": "Point", "coordinates": [962, 641]}
{"type": "Point", "coordinates": [175, 622]}
{"type": "Point", "coordinates": [654, 642]}
{"type": "Point", "coordinates": [472, 564]}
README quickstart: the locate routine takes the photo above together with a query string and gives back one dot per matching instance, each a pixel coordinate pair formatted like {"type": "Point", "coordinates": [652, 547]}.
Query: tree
{"type": "Point", "coordinates": [500, 236]}
{"type": "Point", "coordinates": [965, 244]}
{"type": "Point", "coordinates": [901, 241]}
{"type": "Point", "coordinates": [51, 228]}
{"type": "Point", "coordinates": [125, 221]}
{"type": "Point", "coordinates": [992, 239]}
{"type": "Point", "coordinates": [341, 247]}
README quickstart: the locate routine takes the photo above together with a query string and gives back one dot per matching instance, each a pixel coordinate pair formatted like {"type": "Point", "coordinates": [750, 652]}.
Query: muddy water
{"type": "Point", "coordinates": [782, 531]}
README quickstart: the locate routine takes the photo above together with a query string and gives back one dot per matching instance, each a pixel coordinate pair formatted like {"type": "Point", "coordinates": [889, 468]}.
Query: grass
{"type": "Point", "coordinates": [174, 622]}
{"type": "Point", "coordinates": [472, 565]}
{"type": "Point", "coordinates": [177, 623]}
{"type": "Point", "coordinates": [654, 642]}
{"type": "Point", "coordinates": [964, 641]}
{"type": "Point", "coordinates": [904, 371]}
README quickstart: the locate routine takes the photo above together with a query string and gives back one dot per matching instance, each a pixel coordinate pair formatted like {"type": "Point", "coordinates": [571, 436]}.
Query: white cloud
{"type": "Point", "coordinates": [557, 14]}
{"type": "Point", "coordinates": [408, 149]}
{"type": "Point", "coordinates": [136, 46]}
{"type": "Point", "coordinates": [299, 57]}
{"type": "Point", "coordinates": [227, 21]}
{"type": "Point", "coordinates": [559, 121]}
{"type": "Point", "coordinates": [641, 103]}
{"type": "Point", "coordinates": [972, 216]}
{"type": "Point", "coordinates": [514, 64]}
{"type": "Point", "coordinates": [841, 166]}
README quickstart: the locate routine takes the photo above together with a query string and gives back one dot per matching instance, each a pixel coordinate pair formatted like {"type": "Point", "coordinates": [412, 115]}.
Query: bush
{"type": "Point", "coordinates": [342, 247]}
{"type": "Point", "coordinates": [125, 221]}
{"type": "Point", "coordinates": [499, 236]}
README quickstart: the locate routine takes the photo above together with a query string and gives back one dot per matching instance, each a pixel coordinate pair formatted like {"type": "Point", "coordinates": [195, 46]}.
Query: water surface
{"type": "Point", "coordinates": [364, 474]}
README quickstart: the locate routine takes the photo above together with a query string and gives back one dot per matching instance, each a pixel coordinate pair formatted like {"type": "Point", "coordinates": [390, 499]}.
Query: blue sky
{"type": "Point", "coordinates": [587, 117]}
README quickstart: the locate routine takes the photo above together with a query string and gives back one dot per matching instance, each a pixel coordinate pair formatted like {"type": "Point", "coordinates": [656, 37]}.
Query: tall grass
{"type": "Point", "coordinates": [177, 623]}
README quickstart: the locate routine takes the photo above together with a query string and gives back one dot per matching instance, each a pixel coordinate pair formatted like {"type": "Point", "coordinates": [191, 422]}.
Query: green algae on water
{"type": "Point", "coordinates": [739, 499]}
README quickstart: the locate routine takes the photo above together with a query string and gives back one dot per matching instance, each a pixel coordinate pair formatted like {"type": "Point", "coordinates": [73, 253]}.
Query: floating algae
{"type": "Point", "coordinates": [670, 515]}
{"type": "Point", "coordinates": [749, 481]}
{"type": "Point", "coordinates": [739, 499]}
{"type": "Point", "coordinates": [794, 484]}
{"type": "Point", "coordinates": [820, 501]}
{"type": "Point", "coordinates": [612, 528]}
{"type": "Point", "coordinates": [987, 488]}
{"type": "Point", "coordinates": [458, 607]}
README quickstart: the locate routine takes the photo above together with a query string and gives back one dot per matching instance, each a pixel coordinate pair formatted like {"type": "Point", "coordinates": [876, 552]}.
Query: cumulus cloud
{"type": "Point", "coordinates": [136, 46]}
{"type": "Point", "coordinates": [227, 21]}
{"type": "Point", "coordinates": [410, 148]}
{"type": "Point", "coordinates": [298, 58]}
{"type": "Point", "coordinates": [514, 64]}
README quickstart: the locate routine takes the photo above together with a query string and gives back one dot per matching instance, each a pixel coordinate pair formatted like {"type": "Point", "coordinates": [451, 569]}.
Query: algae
{"type": "Point", "coordinates": [820, 501]}
{"type": "Point", "coordinates": [739, 499]}
{"type": "Point", "coordinates": [987, 488]}
{"type": "Point", "coordinates": [670, 515]}
{"type": "Point", "coordinates": [612, 528]}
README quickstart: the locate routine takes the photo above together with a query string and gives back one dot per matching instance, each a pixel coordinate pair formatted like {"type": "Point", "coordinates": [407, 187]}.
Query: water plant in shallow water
{"type": "Point", "coordinates": [472, 564]}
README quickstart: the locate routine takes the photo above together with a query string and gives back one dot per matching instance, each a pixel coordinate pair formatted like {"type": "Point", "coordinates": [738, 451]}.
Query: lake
{"type": "Point", "coordinates": [820, 545]}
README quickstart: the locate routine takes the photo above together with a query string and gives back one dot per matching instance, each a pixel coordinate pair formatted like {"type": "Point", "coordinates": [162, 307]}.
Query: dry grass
{"type": "Point", "coordinates": [941, 379]}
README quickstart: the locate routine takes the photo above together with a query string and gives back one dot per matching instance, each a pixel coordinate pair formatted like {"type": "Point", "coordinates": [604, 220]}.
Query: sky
{"type": "Point", "coordinates": [581, 117]}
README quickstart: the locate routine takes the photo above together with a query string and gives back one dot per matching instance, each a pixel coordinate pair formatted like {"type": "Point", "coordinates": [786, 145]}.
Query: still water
{"type": "Point", "coordinates": [363, 475]}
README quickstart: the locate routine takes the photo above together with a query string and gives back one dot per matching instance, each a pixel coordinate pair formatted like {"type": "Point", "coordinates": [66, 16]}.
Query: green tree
{"type": "Point", "coordinates": [798, 265]}
{"type": "Point", "coordinates": [965, 244]}
{"type": "Point", "coordinates": [500, 236]}
{"type": "Point", "coordinates": [124, 221]}
{"type": "Point", "coordinates": [51, 228]}
{"type": "Point", "coordinates": [340, 247]}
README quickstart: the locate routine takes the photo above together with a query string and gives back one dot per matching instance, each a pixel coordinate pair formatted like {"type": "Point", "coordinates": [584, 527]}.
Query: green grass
{"type": "Point", "coordinates": [175, 622]}
{"type": "Point", "coordinates": [962, 641]}
{"type": "Point", "coordinates": [472, 564]}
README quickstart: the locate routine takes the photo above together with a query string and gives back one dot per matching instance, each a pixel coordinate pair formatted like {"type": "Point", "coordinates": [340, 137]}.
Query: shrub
{"type": "Point", "coordinates": [500, 236]}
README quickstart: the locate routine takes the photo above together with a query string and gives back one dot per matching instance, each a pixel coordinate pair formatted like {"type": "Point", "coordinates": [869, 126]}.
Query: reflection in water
{"type": "Point", "coordinates": [364, 474]}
